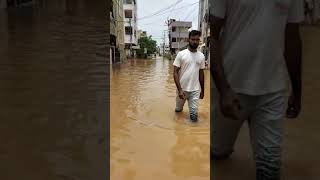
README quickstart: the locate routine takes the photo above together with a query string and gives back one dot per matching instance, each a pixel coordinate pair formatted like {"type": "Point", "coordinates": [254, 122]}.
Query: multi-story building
{"type": "Point", "coordinates": [203, 23]}
{"type": "Point", "coordinates": [117, 52]}
{"type": "Point", "coordinates": [130, 26]}
{"type": "Point", "coordinates": [178, 34]}
{"type": "Point", "coordinates": [141, 34]}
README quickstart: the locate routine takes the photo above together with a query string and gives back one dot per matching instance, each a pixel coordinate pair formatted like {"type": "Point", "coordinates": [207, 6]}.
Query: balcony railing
{"type": "Point", "coordinates": [180, 34]}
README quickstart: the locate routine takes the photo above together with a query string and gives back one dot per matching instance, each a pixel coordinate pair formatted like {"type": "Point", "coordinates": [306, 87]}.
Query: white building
{"type": "Point", "coordinates": [130, 25]}
{"type": "Point", "coordinates": [178, 34]}
{"type": "Point", "coordinates": [204, 27]}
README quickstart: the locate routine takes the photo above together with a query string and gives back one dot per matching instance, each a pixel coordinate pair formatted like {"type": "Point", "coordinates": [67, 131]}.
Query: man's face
{"type": "Point", "coordinates": [194, 41]}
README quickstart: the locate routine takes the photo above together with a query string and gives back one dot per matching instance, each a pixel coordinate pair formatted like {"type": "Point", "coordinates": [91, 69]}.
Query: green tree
{"type": "Point", "coordinates": [149, 43]}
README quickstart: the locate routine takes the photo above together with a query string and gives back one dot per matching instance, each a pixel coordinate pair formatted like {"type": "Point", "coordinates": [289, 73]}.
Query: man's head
{"type": "Point", "coordinates": [194, 39]}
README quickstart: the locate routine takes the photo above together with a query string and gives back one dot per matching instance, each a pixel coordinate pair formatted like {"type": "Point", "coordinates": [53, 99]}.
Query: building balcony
{"type": "Point", "coordinates": [177, 45]}
{"type": "Point", "coordinates": [180, 34]}
{"type": "Point", "coordinates": [181, 24]}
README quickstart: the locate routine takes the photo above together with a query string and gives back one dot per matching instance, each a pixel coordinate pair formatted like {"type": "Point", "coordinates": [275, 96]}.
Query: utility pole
{"type": "Point", "coordinates": [164, 42]}
{"type": "Point", "coordinates": [179, 41]}
{"type": "Point", "coordinates": [169, 37]}
{"type": "Point", "coordinates": [131, 31]}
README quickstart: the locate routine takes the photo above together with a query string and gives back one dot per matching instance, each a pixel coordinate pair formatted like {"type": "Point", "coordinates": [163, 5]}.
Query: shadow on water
{"type": "Point", "coordinates": [53, 91]}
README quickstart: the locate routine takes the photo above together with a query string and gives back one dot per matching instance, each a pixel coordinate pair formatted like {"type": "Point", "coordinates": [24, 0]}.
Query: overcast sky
{"type": "Point", "coordinates": [184, 10]}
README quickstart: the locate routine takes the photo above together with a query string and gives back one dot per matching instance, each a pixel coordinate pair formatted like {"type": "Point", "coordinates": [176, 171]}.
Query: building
{"type": "Point", "coordinates": [204, 27]}
{"type": "Point", "coordinates": [164, 48]}
{"type": "Point", "coordinates": [141, 34]}
{"type": "Point", "coordinates": [117, 45]}
{"type": "Point", "coordinates": [130, 26]}
{"type": "Point", "coordinates": [178, 34]}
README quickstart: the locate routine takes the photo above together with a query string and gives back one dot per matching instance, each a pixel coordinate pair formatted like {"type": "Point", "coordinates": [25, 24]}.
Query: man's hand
{"type": "Point", "coordinates": [294, 106]}
{"type": "Point", "coordinates": [182, 95]}
{"type": "Point", "coordinates": [201, 95]}
{"type": "Point", "coordinates": [293, 56]}
{"type": "Point", "coordinates": [230, 106]}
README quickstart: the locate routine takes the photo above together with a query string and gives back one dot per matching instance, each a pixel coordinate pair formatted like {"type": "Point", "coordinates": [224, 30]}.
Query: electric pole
{"type": "Point", "coordinates": [164, 41]}
{"type": "Point", "coordinates": [131, 31]}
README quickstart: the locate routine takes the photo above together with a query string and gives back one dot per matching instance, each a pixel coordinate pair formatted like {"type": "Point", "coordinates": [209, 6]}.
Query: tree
{"type": "Point", "coordinates": [146, 42]}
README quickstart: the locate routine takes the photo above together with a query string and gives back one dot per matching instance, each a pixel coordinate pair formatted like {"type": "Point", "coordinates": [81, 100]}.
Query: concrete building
{"type": "Point", "coordinates": [164, 48]}
{"type": "Point", "coordinates": [203, 26]}
{"type": "Point", "coordinates": [117, 45]}
{"type": "Point", "coordinates": [141, 34]}
{"type": "Point", "coordinates": [130, 26]}
{"type": "Point", "coordinates": [178, 34]}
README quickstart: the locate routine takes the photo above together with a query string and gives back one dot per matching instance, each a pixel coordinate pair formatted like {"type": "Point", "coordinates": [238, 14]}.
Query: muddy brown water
{"type": "Point", "coordinates": [148, 139]}
{"type": "Point", "coordinates": [53, 91]}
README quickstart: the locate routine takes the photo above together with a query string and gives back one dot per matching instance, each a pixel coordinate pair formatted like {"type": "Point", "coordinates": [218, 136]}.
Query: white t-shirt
{"type": "Point", "coordinates": [253, 42]}
{"type": "Point", "coordinates": [190, 63]}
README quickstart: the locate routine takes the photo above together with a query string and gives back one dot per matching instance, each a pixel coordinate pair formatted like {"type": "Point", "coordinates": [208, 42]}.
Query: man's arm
{"type": "Point", "coordinates": [216, 69]}
{"type": "Point", "coordinates": [229, 102]}
{"type": "Point", "coordinates": [201, 79]}
{"type": "Point", "coordinates": [293, 56]}
{"type": "Point", "coordinates": [176, 77]}
{"type": "Point", "coordinates": [177, 82]}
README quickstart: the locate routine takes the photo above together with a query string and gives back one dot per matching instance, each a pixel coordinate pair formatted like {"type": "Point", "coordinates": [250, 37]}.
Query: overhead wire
{"type": "Point", "coordinates": [139, 19]}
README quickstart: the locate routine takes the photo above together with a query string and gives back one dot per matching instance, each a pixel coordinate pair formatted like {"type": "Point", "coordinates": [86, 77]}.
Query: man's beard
{"type": "Point", "coordinates": [193, 46]}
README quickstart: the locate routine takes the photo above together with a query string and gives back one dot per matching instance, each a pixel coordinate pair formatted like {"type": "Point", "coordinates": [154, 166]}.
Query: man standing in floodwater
{"type": "Point", "coordinates": [254, 43]}
{"type": "Point", "coordinates": [189, 76]}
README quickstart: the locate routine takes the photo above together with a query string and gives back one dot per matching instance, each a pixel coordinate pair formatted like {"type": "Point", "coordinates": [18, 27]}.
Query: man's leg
{"type": "Point", "coordinates": [179, 103]}
{"type": "Point", "coordinates": [224, 131]}
{"type": "Point", "coordinates": [193, 102]}
{"type": "Point", "coordinates": [266, 131]}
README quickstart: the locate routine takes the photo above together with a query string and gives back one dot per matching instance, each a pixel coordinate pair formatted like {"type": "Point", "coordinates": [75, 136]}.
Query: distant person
{"type": "Point", "coordinates": [254, 44]}
{"type": "Point", "coordinates": [189, 76]}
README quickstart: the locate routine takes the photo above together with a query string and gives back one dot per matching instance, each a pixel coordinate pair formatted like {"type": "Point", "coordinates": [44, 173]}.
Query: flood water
{"type": "Point", "coordinates": [148, 139]}
{"type": "Point", "coordinates": [53, 92]}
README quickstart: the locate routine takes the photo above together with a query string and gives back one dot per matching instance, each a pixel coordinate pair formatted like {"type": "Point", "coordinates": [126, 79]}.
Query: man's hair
{"type": "Point", "coordinates": [194, 33]}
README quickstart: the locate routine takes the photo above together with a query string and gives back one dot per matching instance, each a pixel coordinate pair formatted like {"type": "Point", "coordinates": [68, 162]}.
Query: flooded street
{"type": "Point", "coordinates": [53, 77]}
{"type": "Point", "coordinates": [148, 139]}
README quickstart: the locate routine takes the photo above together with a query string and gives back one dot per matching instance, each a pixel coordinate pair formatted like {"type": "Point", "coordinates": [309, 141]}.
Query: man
{"type": "Point", "coordinates": [189, 76]}
{"type": "Point", "coordinates": [252, 42]}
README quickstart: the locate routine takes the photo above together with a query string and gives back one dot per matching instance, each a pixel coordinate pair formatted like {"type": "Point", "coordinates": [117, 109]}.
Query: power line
{"type": "Point", "coordinates": [162, 10]}
{"type": "Point", "coordinates": [193, 10]}
{"type": "Point", "coordinates": [172, 10]}
{"type": "Point", "coordinates": [139, 19]}
{"type": "Point", "coordinates": [182, 7]}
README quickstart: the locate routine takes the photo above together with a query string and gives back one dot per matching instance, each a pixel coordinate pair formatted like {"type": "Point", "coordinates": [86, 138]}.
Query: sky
{"type": "Point", "coordinates": [183, 10]}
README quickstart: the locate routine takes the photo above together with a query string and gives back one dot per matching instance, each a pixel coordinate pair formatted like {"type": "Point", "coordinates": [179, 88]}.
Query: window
{"type": "Point", "coordinates": [128, 30]}
{"type": "Point", "coordinates": [174, 39]}
{"type": "Point", "coordinates": [128, 13]}
{"type": "Point", "coordinates": [127, 1]}
{"type": "Point", "coordinates": [174, 29]}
